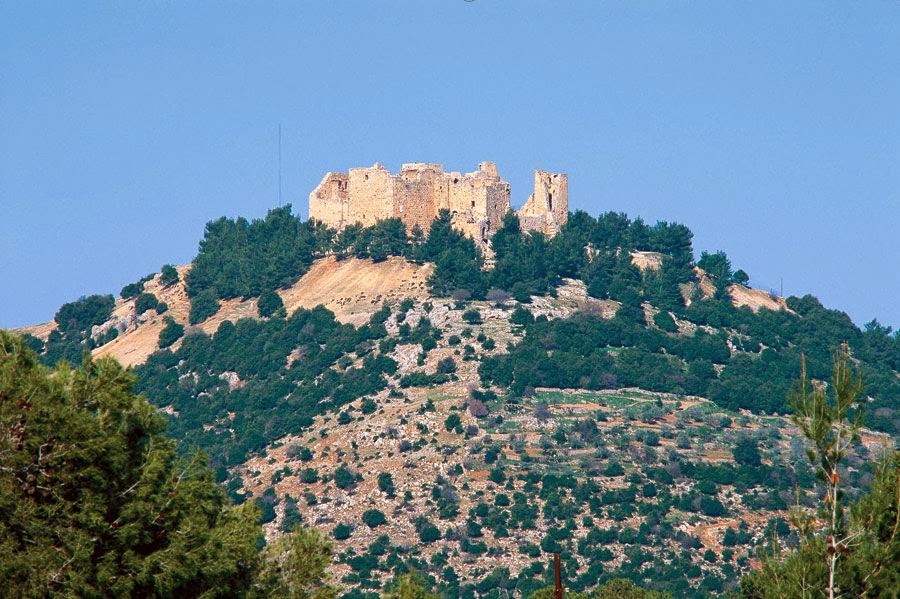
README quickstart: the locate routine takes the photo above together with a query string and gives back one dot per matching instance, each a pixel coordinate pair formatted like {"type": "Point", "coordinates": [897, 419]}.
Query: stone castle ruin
{"type": "Point", "coordinates": [476, 201]}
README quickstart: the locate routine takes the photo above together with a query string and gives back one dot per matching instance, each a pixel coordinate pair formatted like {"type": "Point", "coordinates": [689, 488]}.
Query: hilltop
{"type": "Point", "coordinates": [352, 289]}
{"type": "Point", "coordinates": [598, 393]}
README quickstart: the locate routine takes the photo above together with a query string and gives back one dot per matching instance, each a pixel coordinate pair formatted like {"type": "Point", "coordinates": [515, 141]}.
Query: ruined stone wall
{"type": "Point", "coordinates": [329, 202]}
{"type": "Point", "coordinates": [558, 196]}
{"type": "Point", "coordinates": [477, 201]}
{"type": "Point", "coordinates": [417, 192]}
{"type": "Point", "coordinates": [460, 195]}
{"type": "Point", "coordinates": [497, 202]}
{"type": "Point", "coordinates": [547, 208]}
{"type": "Point", "coordinates": [369, 188]}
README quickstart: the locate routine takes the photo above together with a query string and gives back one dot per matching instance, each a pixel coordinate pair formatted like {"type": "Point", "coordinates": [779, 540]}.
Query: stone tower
{"type": "Point", "coordinates": [547, 208]}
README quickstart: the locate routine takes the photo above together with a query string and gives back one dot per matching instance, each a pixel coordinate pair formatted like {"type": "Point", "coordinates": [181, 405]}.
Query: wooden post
{"type": "Point", "coordinates": [557, 576]}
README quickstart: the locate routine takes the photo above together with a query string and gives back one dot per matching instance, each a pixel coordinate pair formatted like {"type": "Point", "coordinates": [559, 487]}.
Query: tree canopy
{"type": "Point", "coordinates": [96, 501]}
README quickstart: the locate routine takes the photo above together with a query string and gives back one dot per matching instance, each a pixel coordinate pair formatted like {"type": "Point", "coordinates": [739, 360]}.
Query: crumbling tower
{"type": "Point", "coordinates": [547, 208]}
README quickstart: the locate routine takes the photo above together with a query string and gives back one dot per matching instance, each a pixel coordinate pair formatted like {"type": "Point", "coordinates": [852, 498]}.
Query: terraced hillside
{"type": "Point", "coordinates": [599, 395]}
{"type": "Point", "coordinates": [474, 488]}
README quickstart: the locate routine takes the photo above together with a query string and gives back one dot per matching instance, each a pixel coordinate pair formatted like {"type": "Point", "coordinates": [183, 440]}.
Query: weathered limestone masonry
{"type": "Point", "coordinates": [477, 201]}
{"type": "Point", "coordinates": [547, 208]}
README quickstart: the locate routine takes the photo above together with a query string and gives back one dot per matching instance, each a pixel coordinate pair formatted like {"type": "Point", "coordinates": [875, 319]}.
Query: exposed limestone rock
{"type": "Point", "coordinates": [645, 260]}
{"type": "Point", "coordinates": [233, 380]}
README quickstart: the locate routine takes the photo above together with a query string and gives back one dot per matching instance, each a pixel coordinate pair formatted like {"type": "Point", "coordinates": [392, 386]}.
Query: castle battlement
{"type": "Point", "coordinates": [477, 201]}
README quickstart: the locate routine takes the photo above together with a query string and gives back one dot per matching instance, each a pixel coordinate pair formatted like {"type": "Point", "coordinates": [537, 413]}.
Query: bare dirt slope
{"type": "Point", "coordinates": [354, 289]}
{"type": "Point", "coordinates": [756, 299]}
{"type": "Point", "coordinates": [41, 331]}
{"type": "Point", "coordinates": [140, 336]}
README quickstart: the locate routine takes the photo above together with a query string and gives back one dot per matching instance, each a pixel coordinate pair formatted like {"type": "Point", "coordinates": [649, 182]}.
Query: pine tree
{"type": "Point", "coordinates": [830, 424]}
{"type": "Point", "coordinates": [855, 556]}
{"type": "Point", "coordinates": [94, 500]}
{"type": "Point", "coordinates": [295, 566]}
{"type": "Point", "coordinates": [409, 586]}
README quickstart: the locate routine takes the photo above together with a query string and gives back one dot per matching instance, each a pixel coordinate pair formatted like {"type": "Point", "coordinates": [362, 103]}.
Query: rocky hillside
{"type": "Point", "coordinates": [352, 289]}
{"type": "Point", "coordinates": [475, 487]}
{"type": "Point", "coordinates": [599, 395]}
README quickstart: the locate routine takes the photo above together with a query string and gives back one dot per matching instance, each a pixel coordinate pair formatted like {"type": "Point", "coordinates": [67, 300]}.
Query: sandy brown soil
{"type": "Point", "coordinates": [141, 339]}
{"type": "Point", "coordinates": [756, 299]}
{"type": "Point", "coordinates": [41, 331]}
{"type": "Point", "coordinates": [354, 289]}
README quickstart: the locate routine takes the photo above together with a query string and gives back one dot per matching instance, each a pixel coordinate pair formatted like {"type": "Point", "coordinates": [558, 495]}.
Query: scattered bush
{"type": "Point", "coordinates": [203, 305]}
{"type": "Point", "coordinates": [477, 408]}
{"type": "Point", "coordinates": [341, 532]}
{"type": "Point", "coordinates": [84, 313]}
{"type": "Point", "coordinates": [168, 275]}
{"type": "Point", "coordinates": [343, 477]}
{"type": "Point", "coordinates": [429, 533]}
{"type": "Point", "coordinates": [446, 365]}
{"type": "Point", "coordinates": [269, 303]}
{"type": "Point", "coordinates": [374, 518]}
{"type": "Point", "coordinates": [472, 316]}
{"type": "Point", "coordinates": [132, 290]}
{"type": "Point", "coordinates": [171, 333]}
{"type": "Point", "coordinates": [144, 302]}
{"type": "Point", "coordinates": [386, 483]}
{"type": "Point", "coordinates": [452, 422]}
{"type": "Point", "coordinates": [746, 452]}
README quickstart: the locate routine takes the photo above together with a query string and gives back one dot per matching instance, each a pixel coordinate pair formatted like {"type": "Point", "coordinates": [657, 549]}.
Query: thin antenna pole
{"type": "Point", "coordinates": [279, 164]}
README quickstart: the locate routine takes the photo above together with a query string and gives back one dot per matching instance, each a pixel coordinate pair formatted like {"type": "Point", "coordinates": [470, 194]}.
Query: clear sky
{"type": "Point", "coordinates": [772, 129]}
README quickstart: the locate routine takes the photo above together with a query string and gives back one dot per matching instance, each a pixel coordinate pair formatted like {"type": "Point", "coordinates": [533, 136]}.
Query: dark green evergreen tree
{"type": "Point", "coordinates": [95, 501]}
{"type": "Point", "coordinates": [168, 275]}
{"type": "Point", "coordinates": [269, 303]}
{"type": "Point", "coordinates": [458, 262]}
{"type": "Point", "coordinates": [144, 302]}
{"type": "Point", "coordinates": [84, 313]}
{"type": "Point", "coordinates": [857, 553]}
{"type": "Point", "coordinates": [171, 333]}
{"type": "Point", "coordinates": [203, 306]}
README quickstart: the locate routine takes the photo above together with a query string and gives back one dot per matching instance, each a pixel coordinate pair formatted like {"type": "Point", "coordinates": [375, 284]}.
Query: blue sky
{"type": "Point", "coordinates": [771, 129]}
